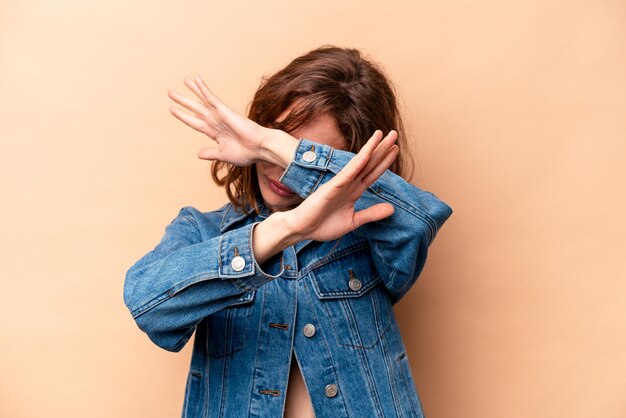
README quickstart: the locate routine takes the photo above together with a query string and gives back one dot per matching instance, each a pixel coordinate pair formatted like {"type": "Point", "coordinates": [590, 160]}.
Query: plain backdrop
{"type": "Point", "coordinates": [516, 115]}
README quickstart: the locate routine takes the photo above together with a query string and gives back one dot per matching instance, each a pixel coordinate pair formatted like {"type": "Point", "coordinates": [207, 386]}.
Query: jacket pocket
{"type": "Point", "coordinates": [226, 329]}
{"type": "Point", "coordinates": [353, 296]}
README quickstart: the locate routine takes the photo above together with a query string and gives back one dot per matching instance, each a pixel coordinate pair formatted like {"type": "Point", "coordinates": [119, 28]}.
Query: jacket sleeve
{"type": "Point", "coordinates": [172, 288]}
{"type": "Point", "coordinates": [399, 243]}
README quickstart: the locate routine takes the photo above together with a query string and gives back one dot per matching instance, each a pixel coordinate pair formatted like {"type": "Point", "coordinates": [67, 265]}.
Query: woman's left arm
{"type": "Point", "coordinates": [400, 242]}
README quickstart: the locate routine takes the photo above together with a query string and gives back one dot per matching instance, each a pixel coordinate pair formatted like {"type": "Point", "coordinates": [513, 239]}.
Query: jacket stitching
{"type": "Point", "coordinates": [328, 258]}
{"type": "Point", "coordinates": [367, 371]}
{"type": "Point", "coordinates": [392, 382]}
{"type": "Point", "coordinates": [364, 346]}
{"type": "Point", "coordinates": [392, 275]}
{"type": "Point", "coordinates": [403, 377]}
{"type": "Point", "coordinates": [225, 367]}
{"type": "Point", "coordinates": [228, 221]}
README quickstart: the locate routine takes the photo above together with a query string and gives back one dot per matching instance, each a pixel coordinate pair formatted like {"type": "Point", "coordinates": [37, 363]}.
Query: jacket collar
{"type": "Point", "coordinates": [233, 215]}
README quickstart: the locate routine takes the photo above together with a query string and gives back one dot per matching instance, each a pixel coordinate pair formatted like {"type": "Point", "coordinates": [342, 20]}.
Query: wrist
{"type": "Point", "coordinates": [285, 226]}
{"type": "Point", "coordinates": [272, 236]}
{"type": "Point", "coordinates": [277, 147]}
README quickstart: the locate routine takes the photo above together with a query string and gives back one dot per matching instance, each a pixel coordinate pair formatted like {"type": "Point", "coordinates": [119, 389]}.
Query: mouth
{"type": "Point", "coordinates": [279, 188]}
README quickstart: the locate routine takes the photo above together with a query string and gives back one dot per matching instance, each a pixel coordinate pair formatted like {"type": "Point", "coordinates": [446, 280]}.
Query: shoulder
{"type": "Point", "coordinates": [204, 216]}
{"type": "Point", "coordinates": [207, 224]}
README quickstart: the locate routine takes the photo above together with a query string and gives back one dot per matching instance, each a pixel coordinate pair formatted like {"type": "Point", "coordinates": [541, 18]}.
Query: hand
{"type": "Point", "coordinates": [238, 138]}
{"type": "Point", "coordinates": [328, 213]}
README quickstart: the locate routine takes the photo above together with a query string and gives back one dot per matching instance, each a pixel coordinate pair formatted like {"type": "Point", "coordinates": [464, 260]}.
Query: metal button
{"type": "Point", "coordinates": [331, 390]}
{"type": "Point", "coordinates": [309, 156]}
{"type": "Point", "coordinates": [354, 284]}
{"type": "Point", "coordinates": [309, 330]}
{"type": "Point", "coordinates": [238, 263]}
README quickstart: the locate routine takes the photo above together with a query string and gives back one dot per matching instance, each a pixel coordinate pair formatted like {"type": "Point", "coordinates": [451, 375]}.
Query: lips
{"type": "Point", "coordinates": [280, 187]}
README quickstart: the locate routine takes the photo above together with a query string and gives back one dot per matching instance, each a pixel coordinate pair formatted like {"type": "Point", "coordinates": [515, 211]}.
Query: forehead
{"type": "Point", "coordinates": [322, 128]}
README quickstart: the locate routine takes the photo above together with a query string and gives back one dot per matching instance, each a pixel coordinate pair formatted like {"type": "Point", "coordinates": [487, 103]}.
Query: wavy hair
{"type": "Point", "coordinates": [338, 81]}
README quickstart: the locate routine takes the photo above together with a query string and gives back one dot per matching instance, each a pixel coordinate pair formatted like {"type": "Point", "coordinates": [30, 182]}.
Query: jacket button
{"type": "Point", "coordinates": [309, 330]}
{"type": "Point", "coordinates": [309, 156]}
{"type": "Point", "coordinates": [354, 284]}
{"type": "Point", "coordinates": [331, 390]}
{"type": "Point", "coordinates": [238, 263]}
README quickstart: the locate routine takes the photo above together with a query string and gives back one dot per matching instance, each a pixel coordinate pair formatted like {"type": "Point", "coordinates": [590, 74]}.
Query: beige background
{"type": "Point", "coordinates": [517, 113]}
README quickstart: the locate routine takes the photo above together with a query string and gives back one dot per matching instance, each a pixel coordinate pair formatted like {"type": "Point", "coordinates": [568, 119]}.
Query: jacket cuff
{"type": "Point", "coordinates": [237, 261]}
{"type": "Point", "coordinates": [305, 171]}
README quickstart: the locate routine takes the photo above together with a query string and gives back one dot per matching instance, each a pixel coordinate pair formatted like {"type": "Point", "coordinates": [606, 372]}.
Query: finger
{"type": "Point", "coordinates": [372, 214]}
{"type": "Point", "coordinates": [381, 150]}
{"type": "Point", "coordinates": [191, 84]}
{"type": "Point", "coordinates": [189, 120]}
{"type": "Point", "coordinates": [372, 142]}
{"type": "Point", "coordinates": [193, 105]}
{"type": "Point", "coordinates": [206, 93]}
{"type": "Point", "coordinates": [209, 154]}
{"type": "Point", "coordinates": [351, 170]}
{"type": "Point", "coordinates": [378, 170]}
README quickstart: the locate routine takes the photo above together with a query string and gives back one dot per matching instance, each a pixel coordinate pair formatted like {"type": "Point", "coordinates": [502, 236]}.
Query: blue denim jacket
{"type": "Point", "coordinates": [330, 303]}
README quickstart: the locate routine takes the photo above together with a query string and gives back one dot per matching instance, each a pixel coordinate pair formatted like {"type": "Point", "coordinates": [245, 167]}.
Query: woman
{"type": "Point", "coordinates": [291, 284]}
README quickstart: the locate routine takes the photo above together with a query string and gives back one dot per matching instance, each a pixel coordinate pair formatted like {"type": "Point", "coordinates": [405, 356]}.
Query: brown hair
{"type": "Point", "coordinates": [338, 81]}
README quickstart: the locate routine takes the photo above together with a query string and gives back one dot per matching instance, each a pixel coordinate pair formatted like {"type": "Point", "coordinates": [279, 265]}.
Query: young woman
{"type": "Point", "coordinates": [289, 287]}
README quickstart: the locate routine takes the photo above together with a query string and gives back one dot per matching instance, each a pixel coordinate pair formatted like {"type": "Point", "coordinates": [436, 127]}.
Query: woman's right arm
{"type": "Point", "coordinates": [187, 277]}
{"type": "Point", "coordinates": [183, 279]}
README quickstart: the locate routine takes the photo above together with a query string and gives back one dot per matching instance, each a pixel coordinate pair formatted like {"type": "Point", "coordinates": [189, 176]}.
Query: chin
{"type": "Point", "coordinates": [280, 203]}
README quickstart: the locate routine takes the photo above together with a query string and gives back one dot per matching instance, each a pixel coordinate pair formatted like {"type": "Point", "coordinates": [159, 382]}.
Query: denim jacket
{"type": "Point", "coordinates": [328, 303]}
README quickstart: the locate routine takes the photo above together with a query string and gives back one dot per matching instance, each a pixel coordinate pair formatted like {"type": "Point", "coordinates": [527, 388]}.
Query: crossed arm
{"type": "Point", "coordinates": [187, 277]}
{"type": "Point", "coordinates": [326, 214]}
